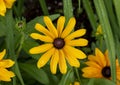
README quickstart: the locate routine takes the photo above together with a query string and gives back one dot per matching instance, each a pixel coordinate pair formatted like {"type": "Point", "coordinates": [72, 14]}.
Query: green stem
{"type": "Point", "coordinates": [77, 73]}
{"type": "Point", "coordinates": [21, 43]}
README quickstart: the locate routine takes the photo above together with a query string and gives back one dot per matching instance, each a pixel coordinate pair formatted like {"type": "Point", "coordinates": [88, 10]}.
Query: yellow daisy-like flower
{"type": "Point", "coordinates": [99, 66]}
{"type": "Point", "coordinates": [59, 44]}
{"type": "Point", "coordinates": [5, 75]}
{"type": "Point", "coordinates": [5, 4]}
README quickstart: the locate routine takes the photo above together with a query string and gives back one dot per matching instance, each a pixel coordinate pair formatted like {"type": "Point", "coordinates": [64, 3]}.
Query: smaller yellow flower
{"type": "Point", "coordinates": [5, 75]}
{"type": "Point", "coordinates": [99, 66]}
{"type": "Point", "coordinates": [5, 4]}
{"type": "Point", "coordinates": [76, 83]}
{"type": "Point", "coordinates": [99, 30]}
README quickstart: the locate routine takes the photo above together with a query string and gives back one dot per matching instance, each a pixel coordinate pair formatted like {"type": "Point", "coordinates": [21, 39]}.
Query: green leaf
{"type": "Point", "coordinates": [107, 33]}
{"type": "Point", "coordinates": [44, 7]}
{"type": "Point", "coordinates": [68, 9]}
{"type": "Point", "coordinates": [91, 15]}
{"type": "Point", "coordinates": [100, 82]}
{"type": "Point", "coordinates": [28, 44]}
{"type": "Point", "coordinates": [2, 29]}
{"type": "Point", "coordinates": [67, 78]}
{"type": "Point", "coordinates": [34, 72]}
{"type": "Point", "coordinates": [117, 9]}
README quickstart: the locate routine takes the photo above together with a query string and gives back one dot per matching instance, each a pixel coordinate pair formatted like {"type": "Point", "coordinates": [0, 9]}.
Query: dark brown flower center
{"type": "Point", "coordinates": [106, 72]}
{"type": "Point", "coordinates": [59, 43]}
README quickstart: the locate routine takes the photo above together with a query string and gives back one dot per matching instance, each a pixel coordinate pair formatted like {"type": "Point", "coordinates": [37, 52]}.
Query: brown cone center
{"type": "Point", "coordinates": [106, 72]}
{"type": "Point", "coordinates": [59, 43]}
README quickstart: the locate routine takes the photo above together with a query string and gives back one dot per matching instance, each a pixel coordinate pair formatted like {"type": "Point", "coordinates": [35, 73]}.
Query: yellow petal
{"type": "Point", "coordinates": [76, 34]}
{"type": "Point", "coordinates": [50, 26]}
{"type": "Point", "coordinates": [40, 49]}
{"type": "Point", "coordinates": [6, 63]}
{"type": "Point", "coordinates": [2, 54]}
{"type": "Point", "coordinates": [90, 72]}
{"type": "Point", "coordinates": [107, 58]}
{"type": "Point", "coordinates": [62, 62]}
{"type": "Point", "coordinates": [6, 75]}
{"type": "Point", "coordinates": [54, 62]}
{"type": "Point", "coordinates": [43, 30]}
{"type": "Point", "coordinates": [75, 52]}
{"type": "Point", "coordinates": [41, 37]}
{"type": "Point", "coordinates": [118, 82]}
{"type": "Point", "coordinates": [2, 8]}
{"type": "Point", "coordinates": [9, 3]}
{"type": "Point", "coordinates": [60, 25]}
{"type": "Point", "coordinates": [45, 58]}
{"type": "Point", "coordinates": [69, 27]}
{"type": "Point", "coordinates": [93, 64]}
{"type": "Point", "coordinates": [78, 42]}
{"type": "Point", "coordinates": [118, 73]}
{"type": "Point", "coordinates": [100, 56]}
{"type": "Point", "coordinates": [76, 83]}
{"type": "Point", "coordinates": [71, 59]}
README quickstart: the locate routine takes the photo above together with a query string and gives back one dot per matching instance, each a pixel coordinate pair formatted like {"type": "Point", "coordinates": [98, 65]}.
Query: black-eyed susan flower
{"type": "Point", "coordinates": [99, 66]}
{"type": "Point", "coordinates": [59, 44]}
{"type": "Point", "coordinates": [5, 75]}
{"type": "Point", "coordinates": [5, 4]}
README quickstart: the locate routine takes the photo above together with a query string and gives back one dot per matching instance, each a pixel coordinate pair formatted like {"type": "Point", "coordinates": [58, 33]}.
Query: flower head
{"type": "Point", "coordinates": [99, 66]}
{"type": "Point", "coordinates": [5, 75]}
{"type": "Point", "coordinates": [99, 30]}
{"type": "Point", "coordinates": [75, 83]}
{"type": "Point", "coordinates": [5, 4]}
{"type": "Point", "coordinates": [59, 44]}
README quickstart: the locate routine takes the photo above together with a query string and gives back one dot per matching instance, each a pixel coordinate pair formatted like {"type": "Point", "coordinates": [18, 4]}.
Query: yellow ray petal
{"type": "Point", "coordinates": [54, 62]}
{"type": "Point", "coordinates": [118, 82]}
{"type": "Point", "coordinates": [62, 62]}
{"type": "Point", "coordinates": [41, 37]}
{"type": "Point", "coordinates": [2, 8]}
{"type": "Point", "coordinates": [9, 3]}
{"type": "Point", "coordinates": [77, 42]}
{"type": "Point", "coordinates": [75, 52]}
{"type": "Point", "coordinates": [76, 83]}
{"type": "Point", "coordinates": [2, 54]}
{"type": "Point", "coordinates": [95, 59]}
{"type": "Point", "coordinates": [90, 72]}
{"type": "Point", "coordinates": [45, 58]}
{"type": "Point", "coordinates": [118, 74]}
{"type": "Point", "coordinates": [100, 56]}
{"type": "Point", "coordinates": [76, 34]}
{"type": "Point", "coordinates": [50, 26]}
{"type": "Point", "coordinates": [40, 49]}
{"type": "Point", "coordinates": [60, 25]}
{"type": "Point", "coordinates": [43, 30]}
{"type": "Point", "coordinates": [107, 58]}
{"type": "Point", "coordinates": [6, 75]}
{"type": "Point", "coordinates": [71, 59]}
{"type": "Point", "coordinates": [6, 63]}
{"type": "Point", "coordinates": [69, 27]}
{"type": "Point", "coordinates": [93, 64]}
